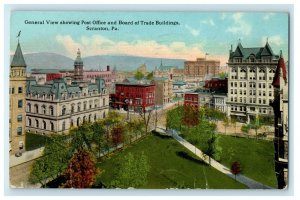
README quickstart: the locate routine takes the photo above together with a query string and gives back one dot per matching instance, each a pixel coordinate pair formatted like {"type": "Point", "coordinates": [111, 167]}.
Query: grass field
{"type": "Point", "coordinates": [171, 166]}
{"type": "Point", "coordinates": [256, 157]}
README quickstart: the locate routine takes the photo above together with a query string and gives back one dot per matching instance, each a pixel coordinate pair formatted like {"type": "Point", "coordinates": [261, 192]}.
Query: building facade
{"type": "Point", "coordinates": [17, 89]}
{"type": "Point", "coordinates": [201, 67]}
{"type": "Point", "coordinates": [280, 106]}
{"type": "Point", "coordinates": [134, 96]}
{"type": "Point", "coordinates": [57, 106]}
{"type": "Point", "coordinates": [250, 75]}
{"type": "Point", "coordinates": [163, 90]}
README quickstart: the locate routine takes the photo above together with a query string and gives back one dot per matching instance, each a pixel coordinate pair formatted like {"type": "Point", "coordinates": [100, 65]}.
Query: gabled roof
{"type": "Point", "coordinates": [18, 59]}
{"type": "Point", "coordinates": [257, 52]}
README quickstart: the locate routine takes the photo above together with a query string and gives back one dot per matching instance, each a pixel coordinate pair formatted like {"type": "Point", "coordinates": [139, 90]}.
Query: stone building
{"type": "Point", "coordinates": [163, 90]}
{"type": "Point", "coordinates": [280, 106]}
{"type": "Point", "coordinates": [200, 68]}
{"type": "Point", "coordinates": [78, 67]}
{"type": "Point", "coordinates": [250, 76]}
{"type": "Point", "coordinates": [57, 106]}
{"type": "Point", "coordinates": [17, 89]}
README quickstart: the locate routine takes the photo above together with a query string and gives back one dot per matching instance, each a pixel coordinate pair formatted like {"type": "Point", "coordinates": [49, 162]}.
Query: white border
{"type": "Point", "coordinates": [161, 7]}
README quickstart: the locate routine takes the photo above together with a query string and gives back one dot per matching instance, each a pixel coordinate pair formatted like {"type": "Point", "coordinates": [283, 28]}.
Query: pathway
{"type": "Point", "coordinates": [252, 184]}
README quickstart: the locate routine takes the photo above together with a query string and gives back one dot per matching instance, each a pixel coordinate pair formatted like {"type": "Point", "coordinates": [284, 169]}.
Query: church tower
{"type": "Point", "coordinates": [78, 67]}
{"type": "Point", "coordinates": [17, 94]}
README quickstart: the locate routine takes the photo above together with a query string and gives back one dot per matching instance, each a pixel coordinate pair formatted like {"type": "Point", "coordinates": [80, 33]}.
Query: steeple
{"type": "Point", "coordinates": [78, 59]}
{"type": "Point", "coordinates": [279, 70]}
{"type": "Point", "coordinates": [18, 59]}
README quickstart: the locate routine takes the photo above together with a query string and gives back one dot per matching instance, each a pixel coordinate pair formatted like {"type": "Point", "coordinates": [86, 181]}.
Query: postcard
{"type": "Point", "coordinates": [148, 100]}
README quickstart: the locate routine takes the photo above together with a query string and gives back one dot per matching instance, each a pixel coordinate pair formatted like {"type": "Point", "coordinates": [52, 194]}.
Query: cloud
{"type": "Point", "coordinates": [99, 45]}
{"type": "Point", "coordinates": [208, 22]}
{"type": "Point", "coordinates": [273, 40]}
{"type": "Point", "coordinates": [266, 17]}
{"type": "Point", "coordinates": [240, 26]}
{"type": "Point", "coordinates": [194, 32]}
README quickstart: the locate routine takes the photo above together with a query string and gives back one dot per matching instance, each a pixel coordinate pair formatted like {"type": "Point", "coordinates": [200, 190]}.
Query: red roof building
{"type": "Point", "coordinates": [133, 96]}
{"type": "Point", "coordinates": [216, 84]}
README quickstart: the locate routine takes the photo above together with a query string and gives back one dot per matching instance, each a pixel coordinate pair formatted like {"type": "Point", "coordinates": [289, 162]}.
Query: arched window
{"type": "Point", "coordinates": [103, 101]}
{"type": "Point", "coordinates": [36, 108]}
{"type": "Point", "coordinates": [72, 108]}
{"type": "Point", "coordinates": [44, 109]}
{"type": "Point", "coordinates": [36, 123]}
{"type": "Point", "coordinates": [51, 126]}
{"type": "Point", "coordinates": [63, 110]}
{"type": "Point", "coordinates": [72, 122]}
{"type": "Point", "coordinates": [84, 105]}
{"type": "Point", "coordinates": [28, 107]}
{"type": "Point", "coordinates": [84, 118]}
{"type": "Point", "coordinates": [44, 125]}
{"type": "Point", "coordinates": [78, 106]}
{"type": "Point", "coordinates": [90, 118]}
{"type": "Point", "coordinates": [29, 122]}
{"type": "Point", "coordinates": [95, 117]}
{"type": "Point", "coordinates": [104, 114]}
{"type": "Point", "coordinates": [51, 110]}
{"type": "Point", "coordinates": [78, 121]}
{"type": "Point", "coordinates": [63, 126]}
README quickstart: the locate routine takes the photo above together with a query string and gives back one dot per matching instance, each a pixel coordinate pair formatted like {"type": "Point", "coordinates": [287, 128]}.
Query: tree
{"type": "Point", "coordinates": [98, 136]}
{"type": "Point", "coordinates": [150, 76]}
{"type": "Point", "coordinates": [245, 129]}
{"type": "Point", "coordinates": [233, 121]}
{"type": "Point", "coordinates": [235, 168]}
{"type": "Point", "coordinates": [138, 75]}
{"type": "Point", "coordinates": [223, 75]}
{"type": "Point", "coordinates": [51, 164]}
{"type": "Point", "coordinates": [226, 122]}
{"type": "Point", "coordinates": [145, 117]}
{"type": "Point", "coordinates": [190, 116]}
{"type": "Point", "coordinates": [213, 150]}
{"type": "Point", "coordinates": [117, 135]}
{"type": "Point", "coordinates": [133, 171]}
{"type": "Point", "coordinates": [81, 171]}
{"type": "Point", "coordinates": [256, 125]}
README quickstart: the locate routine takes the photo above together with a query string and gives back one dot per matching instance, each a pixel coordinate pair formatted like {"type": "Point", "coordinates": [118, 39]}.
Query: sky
{"type": "Point", "coordinates": [197, 33]}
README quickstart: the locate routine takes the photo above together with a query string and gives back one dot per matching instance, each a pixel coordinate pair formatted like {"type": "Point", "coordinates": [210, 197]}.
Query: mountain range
{"type": "Point", "coordinates": [121, 62]}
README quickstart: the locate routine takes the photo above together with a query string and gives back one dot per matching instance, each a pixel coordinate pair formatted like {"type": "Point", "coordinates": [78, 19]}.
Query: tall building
{"type": "Point", "coordinates": [57, 106]}
{"type": "Point", "coordinates": [201, 67]}
{"type": "Point", "coordinates": [78, 67]}
{"type": "Point", "coordinates": [280, 106]}
{"type": "Point", "coordinates": [163, 90]}
{"type": "Point", "coordinates": [17, 84]}
{"type": "Point", "coordinates": [250, 76]}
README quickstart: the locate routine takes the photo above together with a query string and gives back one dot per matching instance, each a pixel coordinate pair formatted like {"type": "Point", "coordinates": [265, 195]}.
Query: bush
{"type": "Point", "coordinates": [35, 141]}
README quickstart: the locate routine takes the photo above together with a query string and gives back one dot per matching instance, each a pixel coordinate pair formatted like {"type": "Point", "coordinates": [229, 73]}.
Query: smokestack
{"type": "Point", "coordinates": [108, 68]}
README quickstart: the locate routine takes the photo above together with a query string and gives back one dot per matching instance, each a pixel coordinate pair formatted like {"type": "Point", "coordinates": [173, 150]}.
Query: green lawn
{"type": "Point", "coordinates": [171, 166]}
{"type": "Point", "coordinates": [256, 157]}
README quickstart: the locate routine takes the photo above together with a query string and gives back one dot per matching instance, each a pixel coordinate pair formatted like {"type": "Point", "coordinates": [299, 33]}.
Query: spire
{"type": "Point", "coordinates": [78, 58]}
{"type": "Point", "coordinates": [280, 69]}
{"type": "Point", "coordinates": [18, 59]}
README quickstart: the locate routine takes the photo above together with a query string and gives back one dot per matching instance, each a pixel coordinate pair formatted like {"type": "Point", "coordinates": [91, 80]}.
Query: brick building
{"type": "Point", "coordinates": [201, 68]}
{"type": "Point", "coordinates": [133, 96]}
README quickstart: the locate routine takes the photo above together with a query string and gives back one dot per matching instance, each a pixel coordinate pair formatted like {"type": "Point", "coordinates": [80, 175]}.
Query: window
{"type": "Point", "coordinates": [84, 105]}
{"type": "Point", "coordinates": [28, 107]}
{"type": "Point", "coordinates": [20, 90]}
{"type": "Point", "coordinates": [44, 125]}
{"type": "Point", "coordinates": [72, 108]}
{"type": "Point", "coordinates": [19, 130]}
{"type": "Point", "coordinates": [36, 123]}
{"type": "Point", "coordinates": [12, 90]}
{"type": "Point", "coordinates": [78, 107]}
{"type": "Point", "coordinates": [44, 109]}
{"type": "Point", "coordinates": [36, 108]}
{"type": "Point", "coordinates": [103, 104]}
{"type": "Point", "coordinates": [51, 110]}
{"type": "Point", "coordinates": [270, 93]}
{"type": "Point", "coordinates": [63, 110]}
{"type": "Point", "coordinates": [20, 103]}
{"type": "Point", "coordinates": [19, 118]}
{"type": "Point", "coordinates": [51, 126]}
{"type": "Point", "coordinates": [29, 122]}
{"type": "Point", "coordinates": [104, 115]}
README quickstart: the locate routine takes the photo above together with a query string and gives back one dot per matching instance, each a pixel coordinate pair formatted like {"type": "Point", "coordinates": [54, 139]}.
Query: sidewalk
{"type": "Point", "coordinates": [26, 156]}
{"type": "Point", "coordinates": [252, 184]}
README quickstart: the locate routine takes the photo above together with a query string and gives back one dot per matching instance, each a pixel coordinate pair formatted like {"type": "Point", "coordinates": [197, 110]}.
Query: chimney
{"type": "Point", "coordinates": [171, 76]}
{"type": "Point", "coordinates": [108, 68]}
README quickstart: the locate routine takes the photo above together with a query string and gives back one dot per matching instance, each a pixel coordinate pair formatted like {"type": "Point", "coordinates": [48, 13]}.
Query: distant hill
{"type": "Point", "coordinates": [122, 62]}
